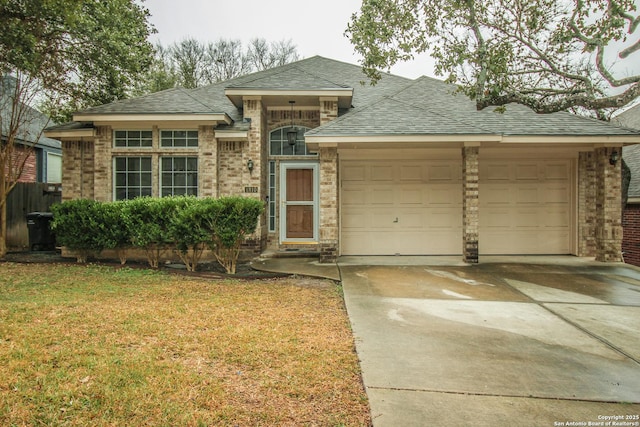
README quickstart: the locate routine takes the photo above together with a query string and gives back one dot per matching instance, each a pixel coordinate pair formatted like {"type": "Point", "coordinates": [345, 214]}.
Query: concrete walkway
{"type": "Point", "coordinates": [542, 341]}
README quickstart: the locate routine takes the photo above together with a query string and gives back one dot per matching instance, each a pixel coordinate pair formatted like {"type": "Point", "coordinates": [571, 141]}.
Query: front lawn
{"type": "Point", "coordinates": [95, 345]}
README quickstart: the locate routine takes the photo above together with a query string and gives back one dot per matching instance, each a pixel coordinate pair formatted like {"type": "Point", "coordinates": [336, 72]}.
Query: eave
{"type": "Point", "coordinates": [193, 118]}
{"type": "Point", "coordinates": [281, 97]}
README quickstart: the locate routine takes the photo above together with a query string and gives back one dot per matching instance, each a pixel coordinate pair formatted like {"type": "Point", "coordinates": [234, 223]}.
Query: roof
{"type": "Point", "coordinates": [430, 106]}
{"type": "Point", "coordinates": [631, 154]}
{"type": "Point", "coordinates": [394, 105]}
{"type": "Point", "coordinates": [33, 123]}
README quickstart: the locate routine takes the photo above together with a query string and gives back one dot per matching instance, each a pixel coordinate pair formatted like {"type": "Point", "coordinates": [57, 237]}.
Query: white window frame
{"type": "Point", "coordinates": [126, 171]}
{"type": "Point", "coordinates": [173, 187]}
{"type": "Point", "coordinates": [127, 139]}
{"type": "Point", "coordinates": [173, 138]}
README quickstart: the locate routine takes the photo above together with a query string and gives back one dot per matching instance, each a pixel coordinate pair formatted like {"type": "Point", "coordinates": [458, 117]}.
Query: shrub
{"type": "Point", "coordinates": [114, 229]}
{"type": "Point", "coordinates": [78, 225]}
{"type": "Point", "coordinates": [189, 231]}
{"type": "Point", "coordinates": [148, 222]}
{"type": "Point", "coordinates": [231, 220]}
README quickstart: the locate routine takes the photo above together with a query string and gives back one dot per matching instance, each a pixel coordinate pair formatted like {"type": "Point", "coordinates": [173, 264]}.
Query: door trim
{"type": "Point", "coordinates": [284, 166]}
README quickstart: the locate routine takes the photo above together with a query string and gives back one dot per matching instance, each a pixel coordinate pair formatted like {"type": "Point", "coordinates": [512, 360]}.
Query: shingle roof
{"type": "Point", "coordinates": [631, 154]}
{"type": "Point", "coordinates": [395, 105]}
{"type": "Point", "coordinates": [176, 100]}
{"type": "Point", "coordinates": [33, 121]}
{"type": "Point", "coordinates": [429, 106]}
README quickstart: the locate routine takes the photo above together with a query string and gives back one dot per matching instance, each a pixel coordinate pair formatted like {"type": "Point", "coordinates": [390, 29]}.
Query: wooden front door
{"type": "Point", "coordinates": [299, 208]}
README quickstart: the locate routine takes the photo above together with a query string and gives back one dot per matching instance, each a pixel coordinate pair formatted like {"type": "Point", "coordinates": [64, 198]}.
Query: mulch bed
{"type": "Point", "coordinates": [211, 270]}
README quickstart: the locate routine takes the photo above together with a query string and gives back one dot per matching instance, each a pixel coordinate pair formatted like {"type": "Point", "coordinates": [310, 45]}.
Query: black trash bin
{"type": "Point", "coordinates": [41, 238]}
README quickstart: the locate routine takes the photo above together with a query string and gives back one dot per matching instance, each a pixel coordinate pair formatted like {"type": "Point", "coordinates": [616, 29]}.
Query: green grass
{"type": "Point", "coordinates": [94, 345]}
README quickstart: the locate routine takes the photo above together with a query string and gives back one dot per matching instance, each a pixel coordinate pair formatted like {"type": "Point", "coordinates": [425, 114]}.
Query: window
{"type": "Point", "coordinates": [132, 177]}
{"type": "Point", "coordinates": [179, 176]}
{"type": "Point", "coordinates": [279, 146]}
{"type": "Point", "coordinates": [132, 138]}
{"type": "Point", "coordinates": [179, 138]}
{"type": "Point", "coordinates": [272, 196]}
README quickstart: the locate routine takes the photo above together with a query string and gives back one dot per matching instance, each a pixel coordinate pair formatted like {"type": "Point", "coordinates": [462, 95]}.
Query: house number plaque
{"type": "Point", "coordinates": [250, 189]}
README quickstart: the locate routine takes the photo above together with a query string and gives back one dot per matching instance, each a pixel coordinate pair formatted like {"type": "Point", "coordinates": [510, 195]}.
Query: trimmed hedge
{"type": "Point", "coordinates": [185, 224]}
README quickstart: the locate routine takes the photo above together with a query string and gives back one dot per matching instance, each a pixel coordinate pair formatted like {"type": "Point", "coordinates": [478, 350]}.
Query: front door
{"type": "Point", "coordinates": [299, 207]}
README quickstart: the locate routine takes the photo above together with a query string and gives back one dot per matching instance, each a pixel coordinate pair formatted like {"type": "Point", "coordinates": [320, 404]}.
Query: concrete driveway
{"type": "Point", "coordinates": [497, 344]}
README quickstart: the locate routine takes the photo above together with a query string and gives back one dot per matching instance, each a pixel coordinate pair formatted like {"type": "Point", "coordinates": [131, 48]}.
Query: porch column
{"type": "Point", "coordinates": [470, 219]}
{"type": "Point", "coordinates": [608, 206]}
{"type": "Point", "coordinates": [587, 204]}
{"type": "Point", "coordinates": [328, 204]}
{"type": "Point", "coordinates": [247, 182]}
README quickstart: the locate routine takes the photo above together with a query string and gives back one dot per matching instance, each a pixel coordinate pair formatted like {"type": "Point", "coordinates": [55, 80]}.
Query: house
{"type": "Point", "coordinates": [631, 214]}
{"type": "Point", "coordinates": [346, 168]}
{"type": "Point", "coordinates": [44, 161]}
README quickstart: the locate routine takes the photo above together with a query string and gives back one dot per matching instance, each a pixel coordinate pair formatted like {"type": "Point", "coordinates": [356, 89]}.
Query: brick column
{"type": "Point", "coordinates": [328, 204]}
{"type": "Point", "coordinates": [103, 190]}
{"type": "Point", "coordinates": [208, 159]}
{"type": "Point", "coordinates": [586, 204]}
{"type": "Point", "coordinates": [470, 219]}
{"type": "Point", "coordinates": [255, 150]}
{"type": "Point", "coordinates": [77, 170]}
{"type": "Point", "coordinates": [608, 206]}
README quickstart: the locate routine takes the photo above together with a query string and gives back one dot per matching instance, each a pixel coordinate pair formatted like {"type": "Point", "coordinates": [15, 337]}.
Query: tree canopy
{"type": "Point", "coordinates": [190, 63]}
{"type": "Point", "coordinates": [81, 53]}
{"type": "Point", "coordinates": [550, 55]}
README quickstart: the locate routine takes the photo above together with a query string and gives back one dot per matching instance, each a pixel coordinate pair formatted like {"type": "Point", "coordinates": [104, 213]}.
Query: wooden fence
{"type": "Point", "coordinates": [27, 197]}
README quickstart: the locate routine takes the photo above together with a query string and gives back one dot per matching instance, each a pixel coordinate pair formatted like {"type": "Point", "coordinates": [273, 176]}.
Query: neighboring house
{"type": "Point", "coordinates": [402, 167]}
{"type": "Point", "coordinates": [631, 215]}
{"type": "Point", "coordinates": [44, 163]}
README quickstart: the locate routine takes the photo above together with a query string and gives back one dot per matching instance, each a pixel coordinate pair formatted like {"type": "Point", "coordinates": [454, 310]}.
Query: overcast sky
{"type": "Point", "coordinates": [315, 28]}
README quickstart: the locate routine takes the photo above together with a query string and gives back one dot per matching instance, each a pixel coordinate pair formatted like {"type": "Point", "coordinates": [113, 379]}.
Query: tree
{"type": "Point", "coordinates": [262, 55]}
{"type": "Point", "coordinates": [74, 54]}
{"type": "Point", "coordinates": [191, 63]}
{"type": "Point", "coordinates": [550, 55]}
{"type": "Point", "coordinates": [21, 128]}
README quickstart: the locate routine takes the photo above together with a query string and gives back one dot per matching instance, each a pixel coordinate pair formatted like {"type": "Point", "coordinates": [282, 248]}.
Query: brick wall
{"type": "Point", "coordinates": [608, 207]}
{"type": "Point", "coordinates": [631, 234]}
{"type": "Point", "coordinates": [470, 203]}
{"type": "Point", "coordinates": [30, 169]}
{"type": "Point", "coordinates": [77, 170]}
{"type": "Point", "coordinates": [586, 204]}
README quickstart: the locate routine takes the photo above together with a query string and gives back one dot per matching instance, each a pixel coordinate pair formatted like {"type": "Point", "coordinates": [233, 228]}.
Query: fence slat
{"type": "Point", "coordinates": [24, 198]}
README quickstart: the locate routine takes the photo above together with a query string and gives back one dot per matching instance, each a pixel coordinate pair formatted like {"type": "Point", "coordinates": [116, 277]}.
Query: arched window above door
{"type": "Point", "coordinates": [279, 145]}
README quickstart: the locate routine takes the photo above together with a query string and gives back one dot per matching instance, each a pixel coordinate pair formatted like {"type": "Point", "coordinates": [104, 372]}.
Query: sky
{"type": "Point", "coordinates": [315, 28]}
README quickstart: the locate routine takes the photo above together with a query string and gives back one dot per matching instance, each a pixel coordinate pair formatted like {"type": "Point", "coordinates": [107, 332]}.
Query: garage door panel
{"type": "Point", "coordinates": [411, 173]}
{"type": "Point", "coordinates": [527, 172]}
{"type": "Point", "coordinates": [381, 196]}
{"type": "Point", "coordinates": [527, 209]}
{"type": "Point", "coordinates": [410, 196]}
{"type": "Point", "coordinates": [409, 207]}
{"type": "Point", "coordinates": [444, 195]}
{"type": "Point", "coordinates": [381, 173]}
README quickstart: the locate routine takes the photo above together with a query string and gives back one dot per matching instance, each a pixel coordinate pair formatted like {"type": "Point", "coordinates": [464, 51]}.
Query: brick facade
{"type": "Point", "coordinates": [608, 207]}
{"type": "Point", "coordinates": [470, 203]}
{"type": "Point", "coordinates": [587, 204]}
{"type": "Point", "coordinates": [329, 205]}
{"type": "Point", "coordinates": [631, 235]}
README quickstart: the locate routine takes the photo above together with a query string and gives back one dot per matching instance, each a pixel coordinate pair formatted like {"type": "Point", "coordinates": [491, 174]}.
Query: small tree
{"type": "Point", "coordinates": [188, 230]}
{"type": "Point", "coordinates": [20, 129]}
{"type": "Point", "coordinates": [231, 220]}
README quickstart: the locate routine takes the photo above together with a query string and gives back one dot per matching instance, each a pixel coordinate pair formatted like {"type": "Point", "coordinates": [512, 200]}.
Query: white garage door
{"type": "Point", "coordinates": [525, 207]}
{"type": "Point", "coordinates": [401, 207]}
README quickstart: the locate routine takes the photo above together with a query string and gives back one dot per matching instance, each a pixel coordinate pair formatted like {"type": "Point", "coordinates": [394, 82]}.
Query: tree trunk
{"type": "Point", "coordinates": [3, 229]}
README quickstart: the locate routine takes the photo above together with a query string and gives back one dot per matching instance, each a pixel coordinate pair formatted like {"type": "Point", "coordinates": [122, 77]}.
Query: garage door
{"type": "Point", "coordinates": [525, 207]}
{"type": "Point", "coordinates": [401, 207]}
